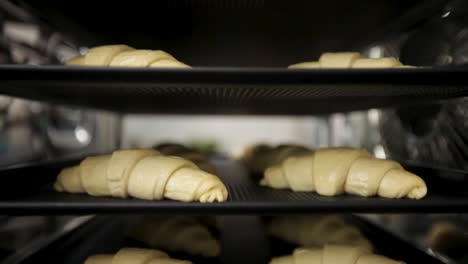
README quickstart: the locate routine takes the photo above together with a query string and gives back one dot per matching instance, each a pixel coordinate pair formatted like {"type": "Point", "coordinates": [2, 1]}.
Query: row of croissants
{"type": "Point", "coordinates": [322, 239]}
{"type": "Point", "coordinates": [176, 172]}
{"type": "Point", "coordinates": [126, 56]}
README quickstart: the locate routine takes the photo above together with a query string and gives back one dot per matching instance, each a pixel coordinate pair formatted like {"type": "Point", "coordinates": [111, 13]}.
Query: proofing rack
{"type": "Point", "coordinates": [447, 193]}
{"type": "Point", "coordinates": [231, 90]}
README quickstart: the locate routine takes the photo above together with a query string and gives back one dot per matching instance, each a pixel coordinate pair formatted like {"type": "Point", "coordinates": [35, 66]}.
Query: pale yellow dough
{"type": "Point", "coordinates": [389, 62]}
{"type": "Point", "coordinates": [139, 58]}
{"type": "Point", "coordinates": [99, 259]}
{"type": "Point", "coordinates": [76, 61]}
{"type": "Point", "coordinates": [305, 65]}
{"type": "Point", "coordinates": [333, 254]}
{"type": "Point", "coordinates": [121, 164]}
{"type": "Point", "coordinates": [338, 59]}
{"type": "Point", "coordinates": [168, 63]}
{"type": "Point", "coordinates": [142, 174]}
{"type": "Point", "coordinates": [103, 55]}
{"type": "Point", "coordinates": [334, 171]}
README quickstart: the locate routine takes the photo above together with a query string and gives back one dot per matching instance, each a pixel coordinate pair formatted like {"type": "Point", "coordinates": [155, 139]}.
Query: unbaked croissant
{"type": "Point", "coordinates": [144, 174]}
{"type": "Point", "coordinates": [334, 171]}
{"type": "Point", "coordinates": [134, 256]}
{"type": "Point", "coordinates": [125, 56]}
{"type": "Point", "coordinates": [348, 60]}
{"type": "Point", "coordinates": [173, 149]}
{"type": "Point", "coordinates": [177, 233]}
{"type": "Point", "coordinates": [317, 230]}
{"type": "Point", "coordinates": [333, 254]}
{"type": "Point", "coordinates": [261, 156]}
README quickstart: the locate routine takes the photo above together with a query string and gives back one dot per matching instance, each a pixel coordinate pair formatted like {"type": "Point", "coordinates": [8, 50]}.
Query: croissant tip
{"type": "Point", "coordinates": [58, 187]}
{"type": "Point", "coordinates": [417, 192]}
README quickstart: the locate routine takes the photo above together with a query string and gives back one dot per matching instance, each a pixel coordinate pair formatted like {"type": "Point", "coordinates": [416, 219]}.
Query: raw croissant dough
{"type": "Point", "coordinates": [125, 56]}
{"type": "Point", "coordinates": [144, 174]}
{"type": "Point", "coordinates": [177, 233]}
{"type": "Point", "coordinates": [193, 155]}
{"type": "Point", "coordinates": [135, 256]}
{"type": "Point", "coordinates": [334, 171]}
{"type": "Point", "coordinates": [259, 157]}
{"type": "Point", "coordinates": [333, 254]}
{"type": "Point", "coordinates": [317, 230]}
{"type": "Point", "coordinates": [346, 60]}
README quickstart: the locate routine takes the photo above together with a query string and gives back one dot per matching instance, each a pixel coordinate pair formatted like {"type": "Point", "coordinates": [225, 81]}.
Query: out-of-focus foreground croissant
{"type": "Point", "coordinates": [134, 256]}
{"type": "Point", "coordinates": [333, 254]}
{"type": "Point", "coordinates": [176, 233]}
{"type": "Point", "coordinates": [334, 171]}
{"type": "Point", "coordinates": [317, 230]}
{"type": "Point", "coordinates": [144, 174]}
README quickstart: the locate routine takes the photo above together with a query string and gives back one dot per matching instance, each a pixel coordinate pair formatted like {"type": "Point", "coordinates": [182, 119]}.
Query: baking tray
{"type": "Point", "coordinates": [232, 90]}
{"type": "Point", "coordinates": [107, 235]}
{"type": "Point", "coordinates": [28, 190]}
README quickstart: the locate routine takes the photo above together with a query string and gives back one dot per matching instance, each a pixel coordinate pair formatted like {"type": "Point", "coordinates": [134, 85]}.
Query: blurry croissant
{"type": "Point", "coordinates": [349, 60]}
{"type": "Point", "coordinates": [333, 254]}
{"type": "Point", "coordinates": [261, 156]}
{"type": "Point", "coordinates": [134, 256]}
{"type": "Point", "coordinates": [178, 233]}
{"type": "Point", "coordinates": [193, 155]}
{"type": "Point", "coordinates": [334, 171]}
{"type": "Point", "coordinates": [317, 230]}
{"type": "Point", "coordinates": [144, 174]}
{"type": "Point", "coordinates": [125, 56]}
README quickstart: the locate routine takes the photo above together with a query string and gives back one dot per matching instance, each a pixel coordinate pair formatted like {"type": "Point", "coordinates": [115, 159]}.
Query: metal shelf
{"type": "Point", "coordinates": [231, 90]}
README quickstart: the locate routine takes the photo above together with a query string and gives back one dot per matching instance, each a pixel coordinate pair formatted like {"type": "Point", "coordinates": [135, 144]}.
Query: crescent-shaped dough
{"type": "Point", "coordinates": [299, 171]}
{"type": "Point", "coordinates": [121, 165]}
{"type": "Point", "coordinates": [103, 55]}
{"type": "Point", "coordinates": [139, 58]}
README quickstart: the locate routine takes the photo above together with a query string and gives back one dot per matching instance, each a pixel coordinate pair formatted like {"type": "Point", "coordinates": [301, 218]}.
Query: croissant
{"type": "Point", "coordinates": [125, 56]}
{"type": "Point", "coordinates": [134, 256]}
{"type": "Point", "coordinates": [333, 254]}
{"type": "Point", "coordinates": [317, 230]}
{"type": "Point", "coordinates": [334, 171]}
{"type": "Point", "coordinates": [177, 234]}
{"type": "Point", "coordinates": [261, 156]}
{"type": "Point", "coordinates": [193, 155]}
{"type": "Point", "coordinates": [144, 174]}
{"type": "Point", "coordinates": [349, 60]}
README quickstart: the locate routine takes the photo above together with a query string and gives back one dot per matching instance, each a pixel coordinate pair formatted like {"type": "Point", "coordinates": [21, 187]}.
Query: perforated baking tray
{"type": "Point", "coordinates": [231, 90]}
{"type": "Point", "coordinates": [28, 190]}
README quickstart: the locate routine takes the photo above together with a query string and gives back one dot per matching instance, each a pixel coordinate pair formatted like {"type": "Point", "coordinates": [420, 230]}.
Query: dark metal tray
{"type": "Point", "coordinates": [28, 191]}
{"type": "Point", "coordinates": [231, 90]}
{"type": "Point", "coordinates": [107, 235]}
